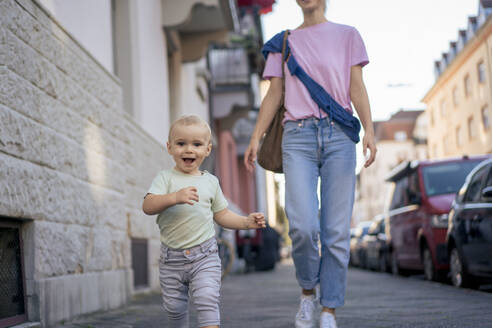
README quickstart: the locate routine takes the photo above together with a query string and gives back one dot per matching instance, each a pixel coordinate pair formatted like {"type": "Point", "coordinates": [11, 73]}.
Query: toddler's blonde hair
{"type": "Point", "coordinates": [187, 120]}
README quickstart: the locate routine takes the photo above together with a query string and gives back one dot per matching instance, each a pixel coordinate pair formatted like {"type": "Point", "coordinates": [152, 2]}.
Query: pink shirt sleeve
{"type": "Point", "coordinates": [273, 66]}
{"type": "Point", "coordinates": [358, 53]}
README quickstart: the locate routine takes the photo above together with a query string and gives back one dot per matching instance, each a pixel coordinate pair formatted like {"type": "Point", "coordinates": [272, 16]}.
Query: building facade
{"type": "Point", "coordinates": [88, 90]}
{"type": "Point", "coordinates": [459, 104]}
{"type": "Point", "coordinates": [401, 138]}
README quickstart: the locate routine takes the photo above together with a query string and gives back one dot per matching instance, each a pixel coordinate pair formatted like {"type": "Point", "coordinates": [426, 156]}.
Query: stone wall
{"type": "Point", "coordinates": [73, 166]}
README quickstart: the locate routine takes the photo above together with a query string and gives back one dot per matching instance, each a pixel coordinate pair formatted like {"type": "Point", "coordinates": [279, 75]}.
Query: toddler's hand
{"type": "Point", "coordinates": [187, 195]}
{"type": "Point", "coordinates": [256, 221]}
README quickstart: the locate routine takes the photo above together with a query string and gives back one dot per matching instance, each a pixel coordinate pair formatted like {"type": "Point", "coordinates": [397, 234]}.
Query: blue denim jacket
{"type": "Point", "coordinates": [349, 123]}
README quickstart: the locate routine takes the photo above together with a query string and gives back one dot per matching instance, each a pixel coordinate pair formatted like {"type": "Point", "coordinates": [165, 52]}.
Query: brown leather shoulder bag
{"type": "Point", "coordinates": [270, 153]}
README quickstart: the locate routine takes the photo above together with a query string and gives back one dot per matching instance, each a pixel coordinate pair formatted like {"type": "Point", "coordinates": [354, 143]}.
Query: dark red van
{"type": "Point", "coordinates": [418, 214]}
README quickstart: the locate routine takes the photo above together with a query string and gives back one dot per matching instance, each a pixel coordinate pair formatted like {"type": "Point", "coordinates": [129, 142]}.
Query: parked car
{"type": "Point", "coordinates": [418, 215]}
{"type": "Point", "coordinates": [373, 246]}
{"type": "Point", "coordinates": [355, 242]}
{"type": "Point", "coordinates": [469, 236]}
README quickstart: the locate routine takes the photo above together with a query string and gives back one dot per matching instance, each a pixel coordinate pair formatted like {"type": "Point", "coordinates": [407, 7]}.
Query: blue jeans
{"type": "Point", "coordinates": [309, 153]}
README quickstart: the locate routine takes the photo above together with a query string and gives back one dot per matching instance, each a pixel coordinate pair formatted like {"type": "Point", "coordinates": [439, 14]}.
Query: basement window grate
{"type": "Point", "coordinates": [12, 296]}
{"type": "Point", "coordinates": [140, 263]}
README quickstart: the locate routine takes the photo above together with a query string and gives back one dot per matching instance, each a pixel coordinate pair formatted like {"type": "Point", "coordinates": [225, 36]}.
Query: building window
{"type": "Point", "coordinates": [445, 145]}
{"type": "Point", "coordinates": [481, 72]}
{"type": "Point", "coordinates": [486, 117]}
{"type": "Point", "coordinates": [468, 86]}
{"type": "Point", "coordinates": [471, 128]}
{"type": "Point", "coordinates": [12, 295]}
{"type": "Point", "coordinates": [455, 97]}
{"type": "Point", "coordinates": [459, 137]}
{"type": "Point", "coordinates": [443, 108]}
{"type": "Point", "coordinates": [140, 262]}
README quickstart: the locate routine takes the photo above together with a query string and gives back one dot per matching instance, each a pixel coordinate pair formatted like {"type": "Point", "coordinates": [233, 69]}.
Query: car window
{"type": "Point", "coordinates": [400, 194]}
{"type": "Point", "coordinates": [474, 187]}
{"type": "Point", "coordinates": [489, 179]}
{"type": "Point", "coordinates": [446, 178]}
{"type": "Point", "coordinates": [413, 189]}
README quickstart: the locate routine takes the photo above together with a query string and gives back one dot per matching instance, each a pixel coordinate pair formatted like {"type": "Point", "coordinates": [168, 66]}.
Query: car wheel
{"type": "Point", "coordinates": [459, 276]}
{"type": "Point", "coordinates": [429, 270]}
{"type": "Point", "coordinates": [382, 262]}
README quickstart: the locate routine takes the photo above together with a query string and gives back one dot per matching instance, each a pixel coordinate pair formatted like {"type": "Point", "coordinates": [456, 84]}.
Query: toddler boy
{"type": "Point", "coordinates": [187, 202]}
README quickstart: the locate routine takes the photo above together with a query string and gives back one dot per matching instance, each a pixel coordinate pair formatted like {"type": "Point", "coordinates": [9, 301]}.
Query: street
{"type": "Point", "coordinates": [270, 299]}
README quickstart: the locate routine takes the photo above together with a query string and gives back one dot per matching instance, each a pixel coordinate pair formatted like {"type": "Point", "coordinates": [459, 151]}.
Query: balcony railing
{"type": "Point", "coordinates": [229, 67]}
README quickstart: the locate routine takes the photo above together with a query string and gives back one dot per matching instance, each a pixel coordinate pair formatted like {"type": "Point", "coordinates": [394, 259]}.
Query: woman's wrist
{"type": "Point", "coordinates": [254, 138]}
{"type": "Point", "coordinates": [369, 131]}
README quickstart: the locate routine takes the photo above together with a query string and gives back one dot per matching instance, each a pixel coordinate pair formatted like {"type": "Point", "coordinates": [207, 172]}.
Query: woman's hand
{"type": "Point", "coordinates": [369, 142]}
{"type": "Point", "coordinates": [250, 154]}
{"type": "Point", "coordinates": [358, 95]}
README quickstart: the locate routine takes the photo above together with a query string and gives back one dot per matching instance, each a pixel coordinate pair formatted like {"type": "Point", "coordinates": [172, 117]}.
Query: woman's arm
{"type": "Point", "coordinates": [358, 95]}
{"type": "Point", "coordinates": [268, 108]}
{"type": "Point", "coordinates": [155, 204]}
{"type": "Point", "coordinates": [230, 220]}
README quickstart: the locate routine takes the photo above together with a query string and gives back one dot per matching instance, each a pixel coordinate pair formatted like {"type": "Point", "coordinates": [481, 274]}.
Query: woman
{"type": "Point", "coordinates": [318, 146]}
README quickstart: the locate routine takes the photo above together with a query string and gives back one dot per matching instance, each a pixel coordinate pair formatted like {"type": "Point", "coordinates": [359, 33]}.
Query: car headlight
{"type": "Point", "coordinates": [440, 221]}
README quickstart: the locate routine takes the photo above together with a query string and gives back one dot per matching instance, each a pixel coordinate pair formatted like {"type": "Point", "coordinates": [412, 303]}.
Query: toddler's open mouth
{"type": "Point", "coordinates": [188, 160]}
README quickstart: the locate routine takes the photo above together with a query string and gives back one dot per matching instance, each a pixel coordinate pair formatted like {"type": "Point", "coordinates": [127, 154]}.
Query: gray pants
{"type": "Point", "coordinates": [196, 272]}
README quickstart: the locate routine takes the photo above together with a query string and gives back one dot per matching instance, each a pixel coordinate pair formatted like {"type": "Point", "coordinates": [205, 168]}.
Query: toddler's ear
{"type": "Point", "coordinates": [209, 148]}
{"type": "Point", "coordinates": [168, 146]}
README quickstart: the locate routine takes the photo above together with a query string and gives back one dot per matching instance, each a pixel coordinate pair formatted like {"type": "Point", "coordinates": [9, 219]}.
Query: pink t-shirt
{"type": "Point", "coordinates": [326, 52]}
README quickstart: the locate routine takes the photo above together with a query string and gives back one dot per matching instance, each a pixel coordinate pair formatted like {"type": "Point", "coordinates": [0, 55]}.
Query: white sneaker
{"type": "Point", "coordinates": [327, 320]}
{"type": "Point", "coordinates": [305, 317]}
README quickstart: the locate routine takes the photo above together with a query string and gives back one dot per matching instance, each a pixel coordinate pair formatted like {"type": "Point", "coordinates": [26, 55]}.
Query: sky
{"type": "Point", "coordinates": [403, 38]}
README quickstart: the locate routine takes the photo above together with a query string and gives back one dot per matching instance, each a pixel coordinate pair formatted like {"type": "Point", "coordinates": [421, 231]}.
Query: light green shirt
{"type": "Point", "coordinates": [183, 225]}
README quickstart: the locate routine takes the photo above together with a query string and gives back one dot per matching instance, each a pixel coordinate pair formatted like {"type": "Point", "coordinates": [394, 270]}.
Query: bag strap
{"type": "Point", "coordinates": [323, 99]}
{"type": "Point", "coordinates": [284, 47]}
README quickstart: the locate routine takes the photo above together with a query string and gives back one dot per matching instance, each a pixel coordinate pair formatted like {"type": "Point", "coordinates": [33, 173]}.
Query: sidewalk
{"type": "Point", "coordinates": [270, 300]}
{"type": "Point", "coordinates": [260, 299]}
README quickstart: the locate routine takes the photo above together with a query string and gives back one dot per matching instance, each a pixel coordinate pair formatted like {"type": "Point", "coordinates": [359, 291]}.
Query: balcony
{"type": "Point", "coordinates": [230, 81]}
{"type": "Point", "coordinates": [199, 22]}
{"type": "Point", "coordinates": [229, 68]}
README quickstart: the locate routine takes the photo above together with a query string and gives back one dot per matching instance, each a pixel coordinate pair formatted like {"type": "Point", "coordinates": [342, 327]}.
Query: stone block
{"type": "Point", "coordinates": [23, 97]}
{"type": "Point", "coordinates": [36, 192]}
{"type": "Point", "coordinates": [141, 225]}
{"type": "Point", "coordinates": [120, 250]}
{"type": "Point", "coordinates": [99, 250]}
{"type": "Point", "coordinates": [47, 37]}
{"type": "Point", "coordinates": [26, 62]}
{"type": "Point", "coordinates": [154, 255]}
{"type": "Point", "coordinates": [67, 296]}
{"type": "Point", "coordinates": [32, 141]}
{"type": "Point", "coordinates": [59, 249]}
